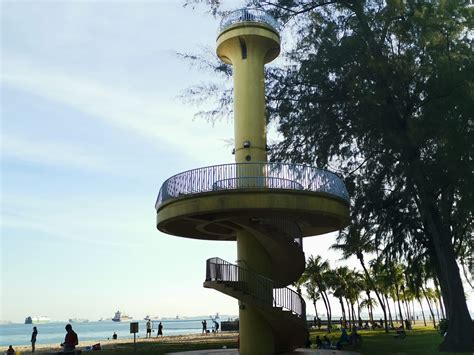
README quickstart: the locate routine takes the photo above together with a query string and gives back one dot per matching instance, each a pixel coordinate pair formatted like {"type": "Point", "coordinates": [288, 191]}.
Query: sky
{"type": "Point", "coordinates": [92, 124]}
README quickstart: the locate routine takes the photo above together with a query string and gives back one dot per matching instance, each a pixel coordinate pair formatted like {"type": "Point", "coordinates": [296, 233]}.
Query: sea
{"type": "Point", "coordinates": [54, 332]}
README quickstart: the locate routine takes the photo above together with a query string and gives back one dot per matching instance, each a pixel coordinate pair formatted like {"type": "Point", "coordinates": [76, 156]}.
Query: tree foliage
{"type": "Point", "coordinates": [382, 92]}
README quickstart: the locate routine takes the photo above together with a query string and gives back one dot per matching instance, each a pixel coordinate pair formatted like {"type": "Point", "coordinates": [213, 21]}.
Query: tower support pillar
{"type": "Point", "coordinates": [256, 335]}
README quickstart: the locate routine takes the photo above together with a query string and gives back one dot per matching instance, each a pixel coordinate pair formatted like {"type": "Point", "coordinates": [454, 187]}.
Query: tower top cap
{"type": "Point", "coordinates": [248, 15]}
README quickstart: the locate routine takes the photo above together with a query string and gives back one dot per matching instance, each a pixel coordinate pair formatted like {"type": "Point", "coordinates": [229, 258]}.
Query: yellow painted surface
{"type": "Point", "coordinates": [248, 48]}
{"type": "Point", "coordinates": [309, 209]}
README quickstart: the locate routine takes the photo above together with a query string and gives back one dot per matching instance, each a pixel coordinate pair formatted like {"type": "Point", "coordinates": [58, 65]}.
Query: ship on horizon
{"type": "Point", "coordinates": [78, 320]}
{"type": "Point", "coordinates": [37, 320]}
{"type": "Point", "coordinates": [121, 317]}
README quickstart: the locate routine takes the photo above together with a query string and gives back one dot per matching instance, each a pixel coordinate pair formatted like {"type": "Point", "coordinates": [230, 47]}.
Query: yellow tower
{"type": "Point", "coordinates": [266, 207]}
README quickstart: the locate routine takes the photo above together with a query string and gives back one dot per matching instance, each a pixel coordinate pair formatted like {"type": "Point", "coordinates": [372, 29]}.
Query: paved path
{"type": "Point", "coordinates": [297, 351]}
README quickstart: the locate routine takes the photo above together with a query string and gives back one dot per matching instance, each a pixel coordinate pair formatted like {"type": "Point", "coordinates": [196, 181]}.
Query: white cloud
{"type": "Point", "coordinates": [51, 153]}
{"type": "Point", "coordinates": [158, 118]}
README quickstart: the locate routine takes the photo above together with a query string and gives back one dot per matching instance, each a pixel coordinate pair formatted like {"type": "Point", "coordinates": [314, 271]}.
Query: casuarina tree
{"type": "Point", "coordinates": [381, 91]}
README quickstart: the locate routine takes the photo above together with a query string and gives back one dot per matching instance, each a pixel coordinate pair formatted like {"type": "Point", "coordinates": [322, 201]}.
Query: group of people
{"type": "Point", "coordinates": [149, 327]}
{"type": "Point", "coordinates": [215, 327]}
{"type": "Point", "coordinates": [354, 339]}
{"type": "Point", "coordinates": [10, 349]}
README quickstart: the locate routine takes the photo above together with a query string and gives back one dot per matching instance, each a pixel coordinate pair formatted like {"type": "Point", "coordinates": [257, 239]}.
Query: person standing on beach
{"type": "Point", "coordinates": [33, 339]}
{"type": "Point", "coordinates": [204, 327]}
{"type": "Point", "coordinates": [148, 329]}
{"type": "Point", "coordinates": [160, 330]}
{"type": "Point", "coordinates": [70, 340]}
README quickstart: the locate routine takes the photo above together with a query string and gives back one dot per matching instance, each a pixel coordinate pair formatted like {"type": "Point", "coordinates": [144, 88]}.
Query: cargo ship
{"type": "Point", "coordinates": [121, 317]}
{"type": "Point", "coordinates": [37, 320]}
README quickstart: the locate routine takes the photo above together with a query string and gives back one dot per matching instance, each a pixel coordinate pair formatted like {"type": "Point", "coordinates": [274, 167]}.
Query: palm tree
{"type": "Point", "coordinates": [396, 272]}
{"type": "Point", "coordinates": [429, 294]}
{"type": "Point", "coordinates": [313, 295]}
{"type": "Point", "coordinates": [317, 272]}
{"type": "Point", "coordinates": [339, 285]}
{"type": "Point", "coordinates": [369, 303]}
{"type": "Point", "coordinates": [357, 241]}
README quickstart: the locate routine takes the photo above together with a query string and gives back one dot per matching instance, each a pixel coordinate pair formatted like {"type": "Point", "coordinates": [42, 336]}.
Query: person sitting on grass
{"type": "Point", "coordinates": [355, 339]}
{"type": "Point", "coordinates": [319, 343]}
{"type": "Point", "coordinates": [344, 339]}
{"type": "Point", "coordinates": [401, 334]}
{"type": "Point", "coordinates": [326, 343]}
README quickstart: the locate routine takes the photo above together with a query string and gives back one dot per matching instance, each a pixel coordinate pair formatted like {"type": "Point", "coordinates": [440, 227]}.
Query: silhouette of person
{"type": "Point", "coordinates": [160, 330]}
{"type": "Point", "coordinates": [148, 329]}
{"type": "Point", "coordinates": [114, 337]}
{"type": "Point", "coordinates": [319, 342]}
{"type": "Point", "coordinates": [326, 343]}
{"type": "Point", "coordinates": [216, 325]}
{"type": "Point", "coordinates": [70, 340]}
{"type": "Point", "coordinates": [33, 339]}
{"type": "Point", "coordinates": [204, 326]}
{"type": "Point", "coordinates": [10, 350]}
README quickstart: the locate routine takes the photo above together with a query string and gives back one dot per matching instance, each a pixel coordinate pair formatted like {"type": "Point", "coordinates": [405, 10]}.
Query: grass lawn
{"type": "Point", "coordinates": [420, 341]}
{"type": "Point", "coordinates": [165, 348]}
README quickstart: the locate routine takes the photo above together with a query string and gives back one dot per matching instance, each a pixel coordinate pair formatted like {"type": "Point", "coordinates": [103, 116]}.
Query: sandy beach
{"type": "Point", "coordinates": [109, 344]}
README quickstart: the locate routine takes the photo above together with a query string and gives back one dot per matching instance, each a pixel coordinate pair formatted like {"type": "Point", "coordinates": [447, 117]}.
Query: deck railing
{"type": "Point", "coordinates": [259, 287]}
{"type": "Point", "coordinates": [252, 175]}
{"type": "Point", "coordinates": [248, 15]}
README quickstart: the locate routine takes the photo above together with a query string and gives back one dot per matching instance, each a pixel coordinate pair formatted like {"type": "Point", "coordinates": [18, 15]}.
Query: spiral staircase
{"type": "Point", "coordinates": [277, 204]}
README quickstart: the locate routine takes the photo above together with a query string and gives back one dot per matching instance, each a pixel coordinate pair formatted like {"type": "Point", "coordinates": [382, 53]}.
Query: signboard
{"type": "Point", "coordinates": [133, 327]}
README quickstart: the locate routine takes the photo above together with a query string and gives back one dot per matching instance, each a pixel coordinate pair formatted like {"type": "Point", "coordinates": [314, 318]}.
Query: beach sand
{"type": "Point", "coordinates": [110, 344]}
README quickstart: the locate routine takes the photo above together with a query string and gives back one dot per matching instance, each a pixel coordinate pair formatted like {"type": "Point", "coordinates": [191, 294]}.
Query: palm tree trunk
{"type": "Point", "coordinates": [361, 260]}
{"type": "Point", "coordinates": [329, 312]}
{"type": "Point", "coordinates": [405, 305]}
{"type": "Point", "coordinates": [343, 313]}
{"type": "Point", "coordinates": [325, 305]}
{"type": "Point", "coordinates": [315, 308]}
{"type": "Point", "coordinates": [389, 311]}
{"type": "Point", "coordinates": [349, 313]}
{"type": "Point", "coordinates": [370, 308]}
{"type": "Point", "coordinates": [422, 312]}
{"type": "Point", "coordinates": [429, 306]}
{"type": "Point", "coordinates": [399, 307]}
{"type": "Point", "coordinates": [436, 306]}
{"type": "Point", "coordinates": [440, 299]}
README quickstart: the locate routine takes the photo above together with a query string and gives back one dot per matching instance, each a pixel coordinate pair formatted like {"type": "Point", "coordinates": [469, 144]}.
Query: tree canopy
{"type": "Point", "coordinates": [382, 92]}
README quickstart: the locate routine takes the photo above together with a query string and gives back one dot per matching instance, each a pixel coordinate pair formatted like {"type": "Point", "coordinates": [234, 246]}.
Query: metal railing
{"type": "Point", "coordinates": [252, 175]}
{"type": "Point", "coordinates": [248, 15]}
{"type": "Point", "coordinates": [259, 287]}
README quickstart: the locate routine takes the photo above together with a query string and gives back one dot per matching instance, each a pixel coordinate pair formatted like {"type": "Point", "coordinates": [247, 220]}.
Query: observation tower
{"type": "Point", "coordinates": [268, 208]}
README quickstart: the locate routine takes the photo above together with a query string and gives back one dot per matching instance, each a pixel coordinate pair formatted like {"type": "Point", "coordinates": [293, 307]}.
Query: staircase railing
{"type": "Point", "coordinates": [258, 286]}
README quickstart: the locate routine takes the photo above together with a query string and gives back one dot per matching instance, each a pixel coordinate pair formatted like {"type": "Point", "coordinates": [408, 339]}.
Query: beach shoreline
{"type": "Point", "coordinates": [110, 344]}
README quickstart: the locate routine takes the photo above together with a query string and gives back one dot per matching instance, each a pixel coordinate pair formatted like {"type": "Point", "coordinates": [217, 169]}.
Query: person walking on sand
{"type": "Point", "coordinates": [148, 329]}
{"type": "Point", "coordinates": [160, 330]}
{"type": "Point", "coordinates": [33, 339]}
{"type": "Point", "coordinates": [70, 340]}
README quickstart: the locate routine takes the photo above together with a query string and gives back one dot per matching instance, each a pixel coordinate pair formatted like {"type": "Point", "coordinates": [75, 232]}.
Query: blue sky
{"type": "Point", "coordinates": [92, 124]}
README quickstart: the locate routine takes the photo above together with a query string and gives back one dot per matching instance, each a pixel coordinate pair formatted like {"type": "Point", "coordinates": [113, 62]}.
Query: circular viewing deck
{"type": "Point", "coordinates": [252, 176]}
{"type": "Point", "coordinates": [256, 16]}
{"type": "Point", "coordinates": [213, 202]}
